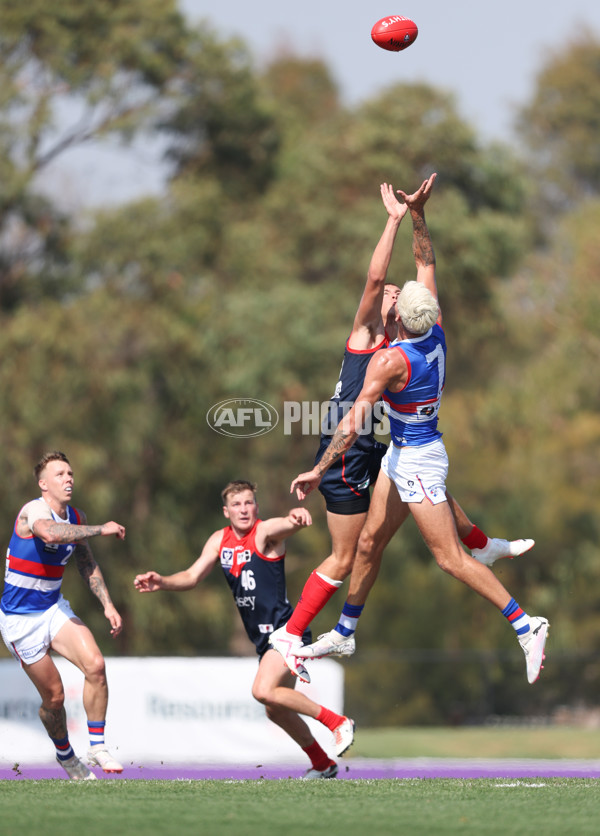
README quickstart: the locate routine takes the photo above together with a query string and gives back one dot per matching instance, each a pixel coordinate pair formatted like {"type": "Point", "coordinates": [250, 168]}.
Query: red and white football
{"type": "Point", "coordinates": [394, 33]}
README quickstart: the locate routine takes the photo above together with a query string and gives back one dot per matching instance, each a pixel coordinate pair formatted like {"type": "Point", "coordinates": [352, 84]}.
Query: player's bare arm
{"type": "Point", "coordinates": [51, 531]}
{"type": "Point", "coordinates": [386, 370]}
{"type": "Point", "coordinates": [186, 579]}
{"type": "Point", "coordinates": [272, 533]}
{"type": "Point", "coordinates": [422, 245]}
{"type": "Point", "coordinates": [368, 328]}
{"type": "Point", "coordinates": [92, 575]}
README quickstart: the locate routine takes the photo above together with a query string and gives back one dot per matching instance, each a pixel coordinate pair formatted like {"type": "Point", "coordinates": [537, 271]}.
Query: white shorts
{"type": "Point", "coordinates": [29, 636]}
{"type": "Point", "coordinates": [418, 472]}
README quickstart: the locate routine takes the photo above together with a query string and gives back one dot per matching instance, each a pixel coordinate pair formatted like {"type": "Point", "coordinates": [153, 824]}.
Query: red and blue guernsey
{"type": "Point", "coordinates": [413, 412]}
{"type": "Point", "coordinates": [258, 585]}
{"type": "Point", "coordinates": [34, 570]}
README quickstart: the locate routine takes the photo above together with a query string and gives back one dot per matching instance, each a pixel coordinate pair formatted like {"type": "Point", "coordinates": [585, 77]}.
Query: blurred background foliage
{"type": "Point", "coordinates": [122, 326]}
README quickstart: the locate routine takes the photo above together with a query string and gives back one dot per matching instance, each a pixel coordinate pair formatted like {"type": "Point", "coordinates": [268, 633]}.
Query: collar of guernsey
{"type": "Point", "coordinates": [236, 566]}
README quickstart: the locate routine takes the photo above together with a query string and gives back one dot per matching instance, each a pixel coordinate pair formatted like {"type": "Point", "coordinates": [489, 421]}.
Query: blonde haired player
{"type": "Point", "coordinates": [346, 482]}
{"type": "Point", "coordinates": [410, 377]}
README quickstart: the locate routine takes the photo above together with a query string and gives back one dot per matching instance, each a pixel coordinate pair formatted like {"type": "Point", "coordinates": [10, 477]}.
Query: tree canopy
{"type": "Point", "coordinates": [121, 328]}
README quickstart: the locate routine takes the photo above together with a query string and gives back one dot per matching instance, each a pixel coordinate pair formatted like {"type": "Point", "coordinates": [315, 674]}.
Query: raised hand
{"type": "Point", "coordinates": [418, 199]}
{"type": "Point", "coordinates": [392, 204]}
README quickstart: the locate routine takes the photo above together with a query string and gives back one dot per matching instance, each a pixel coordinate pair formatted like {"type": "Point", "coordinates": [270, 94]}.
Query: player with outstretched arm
{"type": "Point", "coordinates": [346, 484]}
{"type": "Point", "coordinates": [410, 377]}
{"type": "Point", "coordinates": [35, 618]}
{"type": "Point", "coordinates": [251, 552]}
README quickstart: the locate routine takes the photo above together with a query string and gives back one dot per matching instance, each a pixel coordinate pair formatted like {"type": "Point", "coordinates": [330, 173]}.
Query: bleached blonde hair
{"type": "Point", "coordinates": [417, 308]}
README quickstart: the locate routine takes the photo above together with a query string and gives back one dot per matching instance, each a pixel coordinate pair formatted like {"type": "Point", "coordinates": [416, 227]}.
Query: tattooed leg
{"type": "Point", "coordinates": [55, 721]}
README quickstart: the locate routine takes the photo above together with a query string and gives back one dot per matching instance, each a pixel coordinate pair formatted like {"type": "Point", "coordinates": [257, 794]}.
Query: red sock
{"type": "Point", "coordinates": [330, 718]}
{"type": "Point", "coordinates": [476, 539]}
{"type": "Point", "coordinates": [319, 759]}
{"type": "Point", "coordinates": [315, 595]}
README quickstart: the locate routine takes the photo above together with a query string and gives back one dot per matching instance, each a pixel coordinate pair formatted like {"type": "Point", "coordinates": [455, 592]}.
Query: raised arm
{"type": "Point", "coordinates": [271, 534]}
{"type": "Point", "coordinates": [368, 323]}
{"type": "Point", "coordinates": [186, 579]}
{"type": "Point", "coordinates": [422, 244]}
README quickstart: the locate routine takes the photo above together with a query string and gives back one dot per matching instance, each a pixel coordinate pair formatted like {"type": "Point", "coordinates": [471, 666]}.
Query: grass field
{"type": "Point", "coordinates": [479, 742]}
{"type": "Point", "coordinates": [552, 806]}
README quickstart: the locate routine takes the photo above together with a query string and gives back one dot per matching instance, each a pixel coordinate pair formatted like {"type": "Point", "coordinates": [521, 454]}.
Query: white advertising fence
{"type": "Point", "coordinates": [165, 710]}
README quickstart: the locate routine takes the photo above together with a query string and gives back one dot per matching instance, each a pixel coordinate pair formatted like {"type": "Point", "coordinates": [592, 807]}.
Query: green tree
{"type": "Point", "coordinates": [242, 281]}
{"type": "Point", "coordinates": [69, 74]}
{"type": "Point", "coordinates": [220, 124]}
{"type": "Point", "coordinates": [560, 125]}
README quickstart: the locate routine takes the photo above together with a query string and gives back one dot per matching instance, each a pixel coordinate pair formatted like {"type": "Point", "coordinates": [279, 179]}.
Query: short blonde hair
{"type": "Point", "coordinates": [52, 456]}
{"type": "Point", "coordinates": [239, 485]}
{"type": "Point", "coordinates": [417, 308]}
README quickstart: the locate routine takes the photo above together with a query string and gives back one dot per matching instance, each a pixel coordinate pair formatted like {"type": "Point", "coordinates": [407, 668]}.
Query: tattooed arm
{"type": "Point", "coordinates": [51, 531]}
{"type": "Point", "coordinates": [422, 245]}
{"type": "Point", "coordinates": [92, 575]}
{"type": "Point", "coordinates": [386, 370]}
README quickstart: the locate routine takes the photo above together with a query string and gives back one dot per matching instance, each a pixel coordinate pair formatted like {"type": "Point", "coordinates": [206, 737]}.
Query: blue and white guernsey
{"type": "Point", "coordinates": [413, 412]}
{"type": "Point", "coordinates": [34, 569]}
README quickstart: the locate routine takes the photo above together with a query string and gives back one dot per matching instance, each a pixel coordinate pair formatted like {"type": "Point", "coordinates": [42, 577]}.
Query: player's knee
{"type": "Point", "coordinates": [367, 543]}
{"type": "Point", "coordinates": [53, 700]}
{"type": "Point", "coordinates": [262, 694]}
{"type": "Point", "coordinates": [450, 562]}
{"type": "Point", "coordinates": [444, 564]}
{"type": "Point", "coordinates": [95, 667]}
{"type": "Point", "coordinates": [344, 561]}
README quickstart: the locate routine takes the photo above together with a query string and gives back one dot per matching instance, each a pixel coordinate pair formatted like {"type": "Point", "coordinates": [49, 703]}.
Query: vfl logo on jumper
{"type": "Point", "coordinates": [227, 555]}
{"type": "Point", "coordinates": [242, 417]}
{"type": "Point", "coordinates": [428, 411]}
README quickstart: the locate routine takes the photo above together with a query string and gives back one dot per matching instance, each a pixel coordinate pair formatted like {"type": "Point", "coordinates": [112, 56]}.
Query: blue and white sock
{"type": "Point", "coordinates": [96, 733]}
{"type": "Point", "coordinates": [349, 619]}
{"type": "Point", "coordinates": [517, 617]}
{"type": "Point", "coordinates": [64, 750]}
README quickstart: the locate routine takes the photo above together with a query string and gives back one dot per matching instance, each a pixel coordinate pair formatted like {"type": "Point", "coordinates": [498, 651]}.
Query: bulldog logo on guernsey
{"type": "Point", "coordinates": [242, 417]}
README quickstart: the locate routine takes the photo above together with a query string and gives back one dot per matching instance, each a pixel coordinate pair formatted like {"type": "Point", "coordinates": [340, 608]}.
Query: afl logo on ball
{"type": "Point", "coordinates": [242, 417]}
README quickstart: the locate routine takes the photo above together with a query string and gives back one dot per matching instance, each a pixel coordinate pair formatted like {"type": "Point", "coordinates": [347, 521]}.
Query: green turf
{"type": "Point", "coordinates": [551, 806]}
{"type": "Point", "coordinates": [478, 742]}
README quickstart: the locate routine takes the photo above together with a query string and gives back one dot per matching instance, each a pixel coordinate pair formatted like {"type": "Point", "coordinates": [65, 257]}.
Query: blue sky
{"type": "Point", "coordinates": [486, 54]}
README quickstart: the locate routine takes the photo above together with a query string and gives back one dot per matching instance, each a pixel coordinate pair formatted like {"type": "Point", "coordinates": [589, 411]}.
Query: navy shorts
{"type": "Point", "coordinates": [346, 484]}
